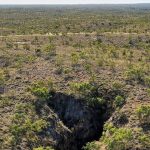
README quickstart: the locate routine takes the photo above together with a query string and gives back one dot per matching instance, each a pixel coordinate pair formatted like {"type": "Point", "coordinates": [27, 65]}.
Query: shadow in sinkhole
{"type": "Point", "coordinates": [84, 122]}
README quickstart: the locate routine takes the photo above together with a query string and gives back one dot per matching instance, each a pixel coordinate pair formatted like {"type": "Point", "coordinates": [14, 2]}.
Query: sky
{"type": "Point", "coordinates": [72, 1]}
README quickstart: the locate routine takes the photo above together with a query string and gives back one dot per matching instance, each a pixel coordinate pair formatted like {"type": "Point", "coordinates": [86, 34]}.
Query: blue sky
{"type": "Point", "coordinates": [71, 1]}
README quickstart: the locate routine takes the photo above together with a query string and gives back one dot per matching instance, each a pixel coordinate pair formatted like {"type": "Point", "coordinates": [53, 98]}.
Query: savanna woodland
{"type": "Point", "coordinates": [75, 77]}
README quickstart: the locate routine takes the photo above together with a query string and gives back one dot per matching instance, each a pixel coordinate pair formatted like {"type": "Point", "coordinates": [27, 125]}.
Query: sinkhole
{"type": "Point", "coordinates": [84, 123]}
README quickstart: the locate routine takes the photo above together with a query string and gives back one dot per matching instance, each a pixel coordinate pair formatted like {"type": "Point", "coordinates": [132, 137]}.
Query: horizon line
{"type": "Point", "coordinates": [74, 3]}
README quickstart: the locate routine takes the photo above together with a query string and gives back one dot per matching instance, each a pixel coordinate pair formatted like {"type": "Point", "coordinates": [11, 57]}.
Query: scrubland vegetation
{"type": "Point", "coordinates": [75, 77]}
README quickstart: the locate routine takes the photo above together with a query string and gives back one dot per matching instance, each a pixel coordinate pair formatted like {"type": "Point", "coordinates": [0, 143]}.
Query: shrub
{"type": "Point", "coordinates": [96, 101]}
{"type": "Point", "coordinates": [9, 45]}
{"type": "Point", "coordinates": [19, 59]}
{"type": "Point", "coordinates": [83, 89]}
{"type": "Point", "coordinates": [117, 138]}
{"type": "Point", "coordinates": [112, 64]}
{"type": "Point", "coordinates": [147, 81]}
{"type": "Point", "coordinates": [74, 59]}
{"type": "Point", "coordinates": [91, 146]}
{"type": "Point", "coordinates": [100, 62]}
{"type": "Point", "coordinates": [24, 125]}
{"type": "Point", "coordinates": [83, 55]}
{"type": "Point", "coordinates": [130, 56]}
{"type": "Point", "coordinates": [148, 91]}
{"type": "Point", "coordinates": [119, 101]}
{"type": "Point", "coordinates": [50, 50]}
{"type": "Point", "coordinates": [41, 92]}
{"type": "Point", "coordinates": [5, 101]}
{"type": "Point", "coordinates": [135, 73]}
{"type": "Point", "coordinates": [78, 45]}
{"type": "Point", "coordinates": [88, 67]}
{"type": "Point", "coordinates": [145, 141]}
{"type": "Point", "coordinates": [113, 53]}
{"type": "Point", "coordinates": [117, 85]}
{"type": "Point", "coordinates": [59, 61]}
{"type": "Point", "coordinates": [59, 64]}
{"type": "Point", "coordinates": [6, 74]}
{"type": "Point", "coordinates": [43, 148]}
{"type": "Point", "coordinates": [41, 89]}
{"type": "Point", "coordinates": [30, 59]}
{"type": "Point", "coordinates": [66, 70]}
{"type": "Point", "coordinates": [143, 113]}
{"type": "Point", "coordinates": [2, 80]}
